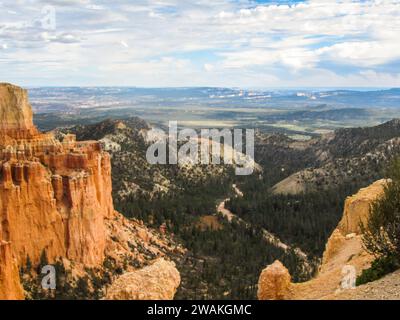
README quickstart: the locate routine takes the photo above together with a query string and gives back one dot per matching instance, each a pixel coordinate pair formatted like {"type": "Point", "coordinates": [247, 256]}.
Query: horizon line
{"type": "Point", "coordinates": [218, 87]}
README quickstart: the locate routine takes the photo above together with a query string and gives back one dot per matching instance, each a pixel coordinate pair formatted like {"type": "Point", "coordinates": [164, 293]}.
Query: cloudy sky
{"type": "Point", "coordinates": [233, 43]}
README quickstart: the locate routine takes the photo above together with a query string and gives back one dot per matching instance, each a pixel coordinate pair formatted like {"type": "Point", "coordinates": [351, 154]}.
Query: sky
{"type": "Point", "coordinates": [224, 43]}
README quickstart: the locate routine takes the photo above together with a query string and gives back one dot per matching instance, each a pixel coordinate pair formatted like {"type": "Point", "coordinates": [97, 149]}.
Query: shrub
{"type": "Point", "coordinates": [379, 268]}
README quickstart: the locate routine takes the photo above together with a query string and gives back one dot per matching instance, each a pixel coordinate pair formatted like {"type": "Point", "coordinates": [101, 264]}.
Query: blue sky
{"type": "Point", "coordinates": [241, 43]}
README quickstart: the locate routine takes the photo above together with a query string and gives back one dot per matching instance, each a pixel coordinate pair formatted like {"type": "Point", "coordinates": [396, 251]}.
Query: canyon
{"type": "Point", "coordinates": [55, 199]}
{"type": "Point", "coordinates": [56, 202]}
{"type": "Point", "coordinates": [308, 220]}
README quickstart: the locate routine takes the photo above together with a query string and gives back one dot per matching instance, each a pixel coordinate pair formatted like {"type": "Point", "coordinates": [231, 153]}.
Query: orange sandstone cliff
{"type": "Point", "coordinates": [344, 253]}
{"type": "Point", "coordinates": [55, 196]}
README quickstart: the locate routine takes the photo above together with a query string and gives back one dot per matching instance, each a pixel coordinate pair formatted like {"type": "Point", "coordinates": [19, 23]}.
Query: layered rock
{"type": "Point", "coordinates": [156, 282]}
{"type": "Point", "coordinates": [55, 196]}
{"type": "Point", "coordinates": [344, 252]}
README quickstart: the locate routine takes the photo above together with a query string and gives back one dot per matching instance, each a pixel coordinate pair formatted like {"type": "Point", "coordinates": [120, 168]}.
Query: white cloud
{"type": "Point", "coordinates": [293, 58]}
{"type": "Point", "coordinates": [233, 43]}
{"type": "Point", "coordinates": [364, 54]}
{"type": "Point", "coordinates": [61, 37]}
{"type": "Point", "coordinates": [208, 67]}
{"type": "Point", "coordinates": [124, 44]}
{"type": "Point", "coordinates": [374, 24]}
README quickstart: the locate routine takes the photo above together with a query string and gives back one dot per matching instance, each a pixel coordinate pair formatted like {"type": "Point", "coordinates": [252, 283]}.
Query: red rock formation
{"type": "Point", "coordinates": [54, 196]}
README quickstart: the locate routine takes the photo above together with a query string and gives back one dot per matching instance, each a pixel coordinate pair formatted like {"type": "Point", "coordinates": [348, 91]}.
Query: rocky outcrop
{"type": "Point", "coordinates": [156, 282]}
{"type": "Point", "coordinates": [274, 282]}
{"type": "Point", "coordinates": [344, 252]}
{"type": "Point", "coordinates": [16, 122]}
{"type": "Point", "coordinates": [55, 197]}
{"type": "Point", "coordinates": [357, 208]}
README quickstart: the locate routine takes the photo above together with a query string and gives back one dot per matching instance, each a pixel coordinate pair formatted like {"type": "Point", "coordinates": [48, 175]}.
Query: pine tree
{"type": "Point", "coordinates": [43, 261]}
{"type": "Point", "coordinates": [28, 264]}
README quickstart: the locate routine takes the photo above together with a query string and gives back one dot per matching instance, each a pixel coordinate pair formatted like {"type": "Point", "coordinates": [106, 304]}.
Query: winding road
{"type": "Point", "coordinates": [268, 236]}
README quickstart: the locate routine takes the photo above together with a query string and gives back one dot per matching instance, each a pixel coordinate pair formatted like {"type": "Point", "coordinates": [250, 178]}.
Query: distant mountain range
{"type": "Point", "coordinates": [300, 114]}
{"type": "Point", "coordinates": [70, 98]}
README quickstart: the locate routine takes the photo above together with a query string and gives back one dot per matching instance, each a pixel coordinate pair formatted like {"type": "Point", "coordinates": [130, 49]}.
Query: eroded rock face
{"type": "Point", "coordinates": [274, 282]}
{"type": "Point", "coordinates": [356, 209]}
{"type": "Point", "coordinates": [54, 196]}
{"type": "Point", "coordinates": [156, 282]}
{"type": "Point", "coordinates": [15, 112]}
